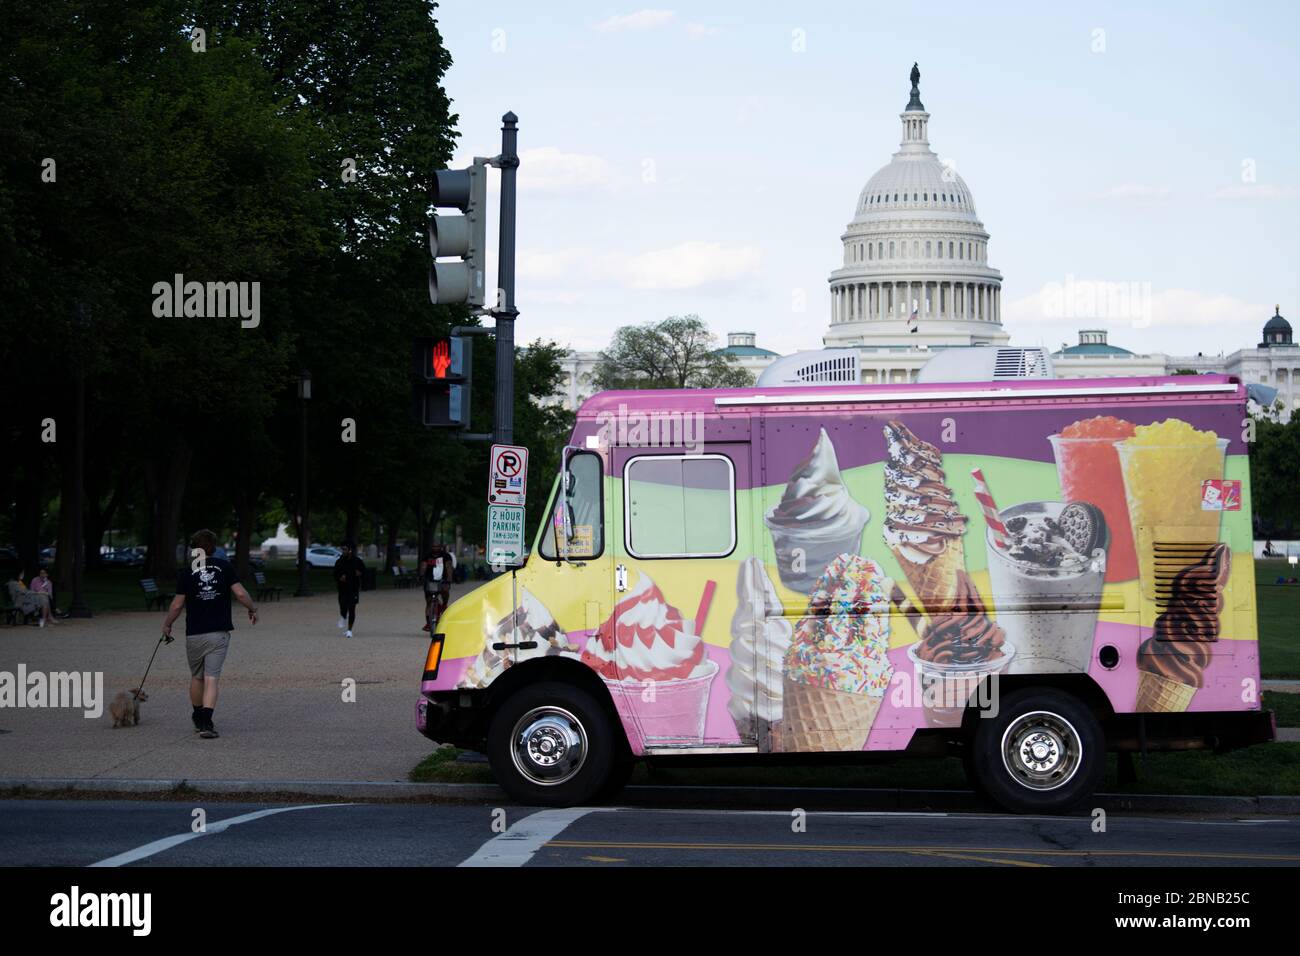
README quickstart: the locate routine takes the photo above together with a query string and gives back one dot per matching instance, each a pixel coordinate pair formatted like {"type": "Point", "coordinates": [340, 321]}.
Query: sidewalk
{"type": "Point", "coordinates": [281, 714]}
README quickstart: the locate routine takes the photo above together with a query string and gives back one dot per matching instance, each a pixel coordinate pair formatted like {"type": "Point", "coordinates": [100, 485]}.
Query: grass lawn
{"type": "Point", "coordinates": [1279, 619]}
{"type": "Point", "coordinates": [1254, 771]}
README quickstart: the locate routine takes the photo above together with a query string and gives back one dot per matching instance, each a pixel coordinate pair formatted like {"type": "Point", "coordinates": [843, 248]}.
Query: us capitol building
{"type": "Point", "coordinates": [915, 278]}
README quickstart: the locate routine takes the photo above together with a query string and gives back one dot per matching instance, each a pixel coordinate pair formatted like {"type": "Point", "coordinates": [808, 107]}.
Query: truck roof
{"type": "Point", "coordinates": [1029, 390]}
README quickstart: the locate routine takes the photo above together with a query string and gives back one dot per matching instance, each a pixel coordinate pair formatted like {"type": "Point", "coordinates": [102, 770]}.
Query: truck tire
{"type": "Point", "coordinates": [1043, 753]}
{"type": "Point", "coordinates": [551, 744]}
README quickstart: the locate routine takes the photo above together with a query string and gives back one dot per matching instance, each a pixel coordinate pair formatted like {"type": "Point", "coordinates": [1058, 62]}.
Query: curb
{"type": "Point", "coordinates": [642, 796]}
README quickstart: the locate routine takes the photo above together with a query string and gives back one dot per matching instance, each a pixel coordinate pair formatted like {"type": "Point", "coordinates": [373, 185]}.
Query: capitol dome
{"type": "Point", "coordinates": [915, 269]}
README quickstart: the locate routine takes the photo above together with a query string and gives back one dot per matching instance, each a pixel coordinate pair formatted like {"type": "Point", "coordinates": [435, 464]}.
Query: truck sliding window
{"type": "Point", "coordinates": [680, 506]}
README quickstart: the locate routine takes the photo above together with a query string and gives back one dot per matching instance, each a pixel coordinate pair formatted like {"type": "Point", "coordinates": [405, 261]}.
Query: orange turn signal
{"type": "Point", "coordinates": [433, 658]}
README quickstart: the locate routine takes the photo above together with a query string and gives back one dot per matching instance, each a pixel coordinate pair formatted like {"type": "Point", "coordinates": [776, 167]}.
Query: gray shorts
{"type": "Point", "coordinates": [207, 652]}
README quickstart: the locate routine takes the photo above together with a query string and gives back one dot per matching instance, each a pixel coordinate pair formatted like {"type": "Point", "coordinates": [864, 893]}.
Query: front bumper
{"type": "Point", "coordinates": [452, 717]}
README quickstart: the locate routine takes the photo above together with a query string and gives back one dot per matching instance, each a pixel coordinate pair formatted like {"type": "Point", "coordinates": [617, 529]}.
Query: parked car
{"type": "Point", "coordinates": [322, 557]}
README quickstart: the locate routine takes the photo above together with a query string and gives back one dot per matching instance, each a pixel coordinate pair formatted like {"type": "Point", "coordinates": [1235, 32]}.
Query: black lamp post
{"type": "Point", "coordinates": [304, 396]}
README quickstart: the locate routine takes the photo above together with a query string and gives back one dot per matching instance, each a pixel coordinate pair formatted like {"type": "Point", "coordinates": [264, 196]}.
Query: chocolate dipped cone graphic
{"type": "Point", "coordinates": [923, 526]}
{"type": "Point", "coordinates": [1171, 663]}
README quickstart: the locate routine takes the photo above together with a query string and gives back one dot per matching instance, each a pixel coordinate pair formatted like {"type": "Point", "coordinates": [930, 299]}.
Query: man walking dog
{"type": "Point", "coordinates": [203, 591]}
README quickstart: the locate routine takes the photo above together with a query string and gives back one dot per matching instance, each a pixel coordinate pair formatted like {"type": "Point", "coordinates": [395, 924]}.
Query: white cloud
{"type": "Point", "coordinates": [1136, 192]}
{"type": "Point", "coordinates": [640, 20]}
{"type": "Point", "coordinates": [1258, 191]}
{"type": "Point", "coordinates": [547, 168]}
{"type": "Point", "coordinates": [698, 31]}
{"type": "Point", "coordinates": [688, 265]}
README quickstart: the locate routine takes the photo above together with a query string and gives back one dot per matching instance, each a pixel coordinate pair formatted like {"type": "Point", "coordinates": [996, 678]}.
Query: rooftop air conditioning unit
{"type": "Point", "coordinates": [987, 365]}
{"type": "Point", "coordinates": [821, 367]}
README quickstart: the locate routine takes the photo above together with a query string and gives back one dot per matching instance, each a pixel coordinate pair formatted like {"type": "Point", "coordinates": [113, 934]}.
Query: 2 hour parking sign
{"type": "Point", "coordinates": [508, 475]}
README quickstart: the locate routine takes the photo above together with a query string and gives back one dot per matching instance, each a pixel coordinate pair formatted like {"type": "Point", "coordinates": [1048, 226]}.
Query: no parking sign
{"type": "Point", "coordinates": [508, 475]}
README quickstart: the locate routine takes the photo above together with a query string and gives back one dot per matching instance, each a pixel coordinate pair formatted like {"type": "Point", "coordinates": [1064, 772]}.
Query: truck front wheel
{"type": "Point", "coordinates": [1044, 752]}
{"type": "Point", "coordinates": [551, 744]}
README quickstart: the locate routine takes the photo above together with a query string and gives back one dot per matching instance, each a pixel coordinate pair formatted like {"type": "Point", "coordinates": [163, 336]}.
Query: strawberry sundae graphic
{"type": "Point", "coordinates": [653, 661]}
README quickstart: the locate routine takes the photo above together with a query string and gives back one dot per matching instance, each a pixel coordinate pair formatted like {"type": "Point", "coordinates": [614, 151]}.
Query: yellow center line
{"type": "Point", "coordinates": [922, 850]}
{"type": "Point", "coordinates": [982, 859]}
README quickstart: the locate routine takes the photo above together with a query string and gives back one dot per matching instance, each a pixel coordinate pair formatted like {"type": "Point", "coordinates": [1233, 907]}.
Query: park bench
{"type": "Point", "coordinates": [12, 612]}
{"type": "Point", "coordinates": [154, 599]}
{"type": "Point", "coordinates": [402, 578]}
{"type": "Point", "coordinates": [264, 590]}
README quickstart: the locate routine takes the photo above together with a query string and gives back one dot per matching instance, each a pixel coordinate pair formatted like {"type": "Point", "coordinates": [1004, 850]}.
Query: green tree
{"type": "Point", "coordinates": [678, 352]}
{"type": "Point", "coordinates": [1275, 475]}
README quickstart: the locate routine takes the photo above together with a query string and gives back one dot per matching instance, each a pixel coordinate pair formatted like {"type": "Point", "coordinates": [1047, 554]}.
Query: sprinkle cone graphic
{"type": "Point", "coordinates": [935, 582]}
{"type": "Point", "coordinates": [1160, 694]}
{"type": "Point", "coordinates": [820, 720]}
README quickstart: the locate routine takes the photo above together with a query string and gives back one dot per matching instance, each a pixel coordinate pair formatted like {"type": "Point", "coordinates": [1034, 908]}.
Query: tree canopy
{"type": "Point", "coordinates": [678, 352]}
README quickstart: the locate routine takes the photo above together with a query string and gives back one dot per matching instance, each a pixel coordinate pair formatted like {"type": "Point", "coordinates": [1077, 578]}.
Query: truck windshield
{"type": "Point", "coordinates": [583, 504]}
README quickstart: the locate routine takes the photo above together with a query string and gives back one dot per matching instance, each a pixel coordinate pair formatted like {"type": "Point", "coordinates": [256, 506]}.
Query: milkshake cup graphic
{"type": "Point", "coordinates": [1088, 467]}
{"type": "Point", "coordinates": [1046, 581]}
{"type": "Point", "coordinates": [816, 519]}
{"type": "Point", "coordinates": [958, 649]}
{"type": "Point", "coordinates": [654, 664]}
{"type": "Point", "coordinates": [1164, 466]}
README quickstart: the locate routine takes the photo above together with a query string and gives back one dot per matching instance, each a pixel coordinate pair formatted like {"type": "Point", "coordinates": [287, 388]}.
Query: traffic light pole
{"type": "Point", "coordinates": [505, 311]}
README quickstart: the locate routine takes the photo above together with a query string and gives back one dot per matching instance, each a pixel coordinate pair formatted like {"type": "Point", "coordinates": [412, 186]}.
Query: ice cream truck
{"type": "Point", "coordinates": [1026, 574]}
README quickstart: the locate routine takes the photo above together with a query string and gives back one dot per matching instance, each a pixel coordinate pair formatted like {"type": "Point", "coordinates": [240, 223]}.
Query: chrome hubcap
{"type": "Point", "coordinates": [549, 745]}
{"type": "Point", "coordinates": [1041, 750]}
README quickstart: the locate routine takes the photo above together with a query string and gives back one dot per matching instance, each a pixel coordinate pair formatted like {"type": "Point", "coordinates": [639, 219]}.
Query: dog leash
{"type": "Point", "coordinates": [165, 639]}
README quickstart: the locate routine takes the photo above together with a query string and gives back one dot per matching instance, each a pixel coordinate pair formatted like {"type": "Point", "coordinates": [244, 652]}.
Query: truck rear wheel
{"type": "Point", "coordinates": [551, 744]}
{"type": "Point", "coordinates": [1043, 753]}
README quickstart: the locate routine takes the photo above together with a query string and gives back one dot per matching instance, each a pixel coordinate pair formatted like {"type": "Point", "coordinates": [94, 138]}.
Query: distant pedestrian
{"type": "Point", "coordinates": [348, 573]}
{"type": "Point", "coordinates": [43, 585]}
{"type": "Point", "coordinates": [203, 590]}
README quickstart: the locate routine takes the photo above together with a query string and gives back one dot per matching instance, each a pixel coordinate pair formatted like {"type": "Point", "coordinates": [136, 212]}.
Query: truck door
{"type": "Point", "coordinates": [680, 522]}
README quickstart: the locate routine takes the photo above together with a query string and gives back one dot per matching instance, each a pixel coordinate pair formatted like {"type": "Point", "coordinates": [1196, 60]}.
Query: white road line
{"type": "Point", "coordinates": [517, 845]}
{"type": "Point", "coordinates": [166, 843]}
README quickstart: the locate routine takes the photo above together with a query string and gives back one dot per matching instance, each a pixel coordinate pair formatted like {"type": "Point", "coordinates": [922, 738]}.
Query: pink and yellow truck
{"type": "Point", "coordinates": [1026, 574]}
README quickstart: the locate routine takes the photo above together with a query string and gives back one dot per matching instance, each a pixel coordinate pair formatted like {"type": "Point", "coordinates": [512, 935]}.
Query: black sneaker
{"type": "Point", "coordinates": [209, 732]}
{"type": "Point", "coordinates": [197, 717]}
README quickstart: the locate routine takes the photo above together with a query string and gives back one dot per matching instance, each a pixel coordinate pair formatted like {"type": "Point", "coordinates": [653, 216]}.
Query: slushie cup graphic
{"type": "Point", "coordinates": [816, 519]}
{"type": "Point", "coordinates": [654, 664]}
{"type": "Point", "coordinates": [1047, 583]}
{"type": "Point", "coordinates": [1089, 470]}
{"type": "Point", "coordinates": [1164, 466]}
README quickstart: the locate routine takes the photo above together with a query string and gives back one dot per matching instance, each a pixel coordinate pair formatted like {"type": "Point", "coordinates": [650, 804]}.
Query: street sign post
{"type": "Point", "coordinates": [508, 475]}
{"type": "Point", "coordinates": [506, 535]}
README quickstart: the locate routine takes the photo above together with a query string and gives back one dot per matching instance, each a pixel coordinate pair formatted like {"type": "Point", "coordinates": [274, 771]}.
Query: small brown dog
{"type": "Point", "coordinates": [125, 708]}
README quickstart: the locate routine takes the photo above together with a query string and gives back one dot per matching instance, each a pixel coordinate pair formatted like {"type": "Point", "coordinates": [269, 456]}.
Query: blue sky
{"type": "Point", "coordinates": [706, 157]}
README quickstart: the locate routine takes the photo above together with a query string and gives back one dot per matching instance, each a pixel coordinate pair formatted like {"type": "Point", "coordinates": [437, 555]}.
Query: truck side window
{"type": "Point", "coordinates": [586, 528]}
{"type": "Point", "coordinates": [680, 506]}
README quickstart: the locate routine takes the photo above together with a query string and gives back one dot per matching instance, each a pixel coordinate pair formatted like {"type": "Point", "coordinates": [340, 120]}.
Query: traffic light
{"type": "Point", "coordinates": [464, 236]}
{"type": "Point", "coordinates": [441, 391]}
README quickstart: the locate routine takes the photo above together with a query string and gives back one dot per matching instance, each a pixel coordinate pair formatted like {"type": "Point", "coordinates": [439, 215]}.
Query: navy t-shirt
{"type": "Point", "coordinates": [350, 569]}
{"type": "Point", "coordinates": [207, 596]}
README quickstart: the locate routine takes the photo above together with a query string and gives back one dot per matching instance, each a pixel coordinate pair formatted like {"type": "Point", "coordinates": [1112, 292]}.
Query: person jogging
{"type": "Point", "coordinates": [203, 592]}
{"type": "Point", "coordinates": [348, 572]}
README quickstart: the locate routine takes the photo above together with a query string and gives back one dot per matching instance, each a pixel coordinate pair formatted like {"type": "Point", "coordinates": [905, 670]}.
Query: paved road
{"type": "Point", "coordinates": [281, 712]}
{"type": "Point", "coordinates": [79, 833]}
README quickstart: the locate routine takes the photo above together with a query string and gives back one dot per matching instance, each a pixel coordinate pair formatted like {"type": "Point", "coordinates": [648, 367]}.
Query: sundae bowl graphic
{"type": "Point", "coordinates": [654, 664]}
{"type": "Point", "coordinates": [816, 519]}
{"type": "Point", "coordinates": [530, 622]}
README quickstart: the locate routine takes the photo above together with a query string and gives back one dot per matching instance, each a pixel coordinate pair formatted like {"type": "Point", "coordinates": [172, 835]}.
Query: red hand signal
{"type": "Point", "coordinates": [441, 358]}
